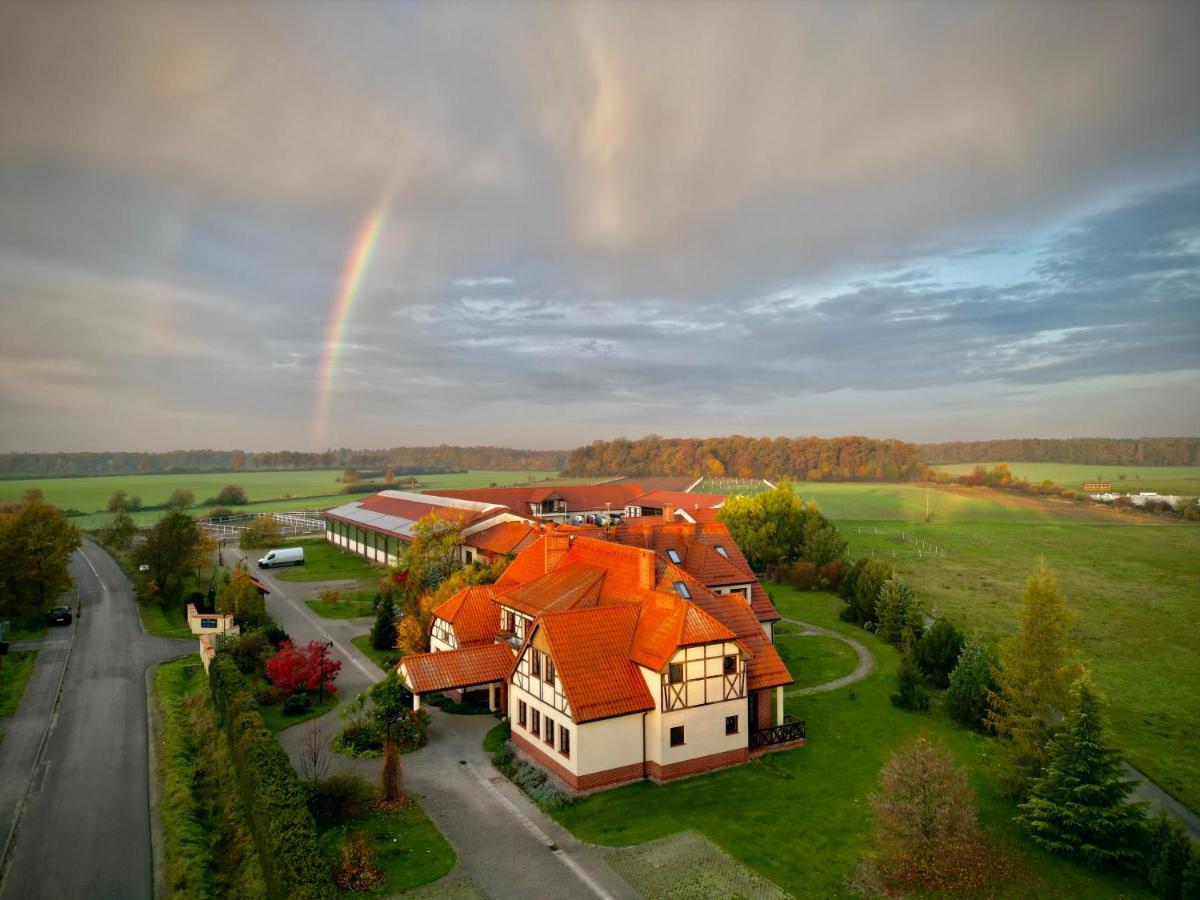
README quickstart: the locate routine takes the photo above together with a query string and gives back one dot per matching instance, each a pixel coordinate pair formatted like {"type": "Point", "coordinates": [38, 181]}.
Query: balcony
{"type": "Point", "coordinates": [790, 733]}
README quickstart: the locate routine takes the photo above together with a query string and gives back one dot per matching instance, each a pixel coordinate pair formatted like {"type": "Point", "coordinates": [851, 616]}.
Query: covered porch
{"type": "Point", "coordinates": [466, 669]}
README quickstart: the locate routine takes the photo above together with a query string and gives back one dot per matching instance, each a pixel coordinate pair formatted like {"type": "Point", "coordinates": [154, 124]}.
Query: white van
{"type": "Point", "coordinates": [289, 556]}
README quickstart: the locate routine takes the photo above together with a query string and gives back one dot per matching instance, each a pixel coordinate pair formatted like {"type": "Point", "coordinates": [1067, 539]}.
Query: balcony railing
{"type": "Point", "coordinates": [791, 730]}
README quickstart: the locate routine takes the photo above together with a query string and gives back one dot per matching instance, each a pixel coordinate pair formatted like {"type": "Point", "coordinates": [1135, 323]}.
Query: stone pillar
{"type": "Point", "coordinates": [492, 697]}
{"type": "Point", "coordinates": [416, 702]}
{"type": "Point", "coordinates": [779, 705]}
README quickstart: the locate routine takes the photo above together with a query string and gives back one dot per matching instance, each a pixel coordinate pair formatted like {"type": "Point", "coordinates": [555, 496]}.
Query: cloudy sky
{"type": "Point", "coordinates": [931, 222]}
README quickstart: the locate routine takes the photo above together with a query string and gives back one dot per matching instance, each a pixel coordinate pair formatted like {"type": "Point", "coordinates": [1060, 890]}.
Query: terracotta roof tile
{"type": "Point", "coordinates": [473, 613]}
{"type": "Point", "coordinates": [570, 585]}
{"type": "Point", "coordinates": [590, 648]}
{"type": "Point", "coordinates": [505, 537]}
{"type": "Point", "coordinates": [578, 497]}
{"type": "Point", "coordinates": [430, 672]}
{"type": "Point", "coordinates": [657, 499]}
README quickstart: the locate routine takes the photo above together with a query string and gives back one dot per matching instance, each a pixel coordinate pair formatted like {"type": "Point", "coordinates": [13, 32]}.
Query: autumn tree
{"type": "Point", "coordinates": [241, 598]}
{"type": "Point", "coordinates": [927, 832]}
{"type": "Point", "coordinates": [1080, 805]}
{"type": "Point", "coordinates": [118, 500]}
{"type": "Point", "coordinates": [413, 630]}
{"type": "Point", "coordinates": [118, 534]}
{"type": "Point", "coordinates": [169, 549]}
{"type": "Point", "coordinates": [263, 532]}
{"type": "Point", "coordinates": [232, 495]}
{"type": "Point", "coordinates": [292, 669]}
{"type": "Point", "coordinates": [181, 498]}
{"type": "Point", "coordinates": [971, 683]}
{"type": "Point", "coordinates": [434, 553]}
{"type": "Point", "coordinates": [36, 543]}
{"type": "Point", "coordinates": [1033, 681]}
{"type": "Point", "coordinates": [772, 528]}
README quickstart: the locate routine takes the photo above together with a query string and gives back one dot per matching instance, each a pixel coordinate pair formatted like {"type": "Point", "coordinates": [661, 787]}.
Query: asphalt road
{"type": "Point", "coordinates": [85, 829]}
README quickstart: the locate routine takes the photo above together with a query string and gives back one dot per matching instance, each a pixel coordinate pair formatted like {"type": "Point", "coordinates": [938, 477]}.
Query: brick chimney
{"type": "Point", "coordinates": [557, 543]}
{"type": "Point", "coordinates": [668, 513]}
{"type": "Point", "coordinates": [646, 569]}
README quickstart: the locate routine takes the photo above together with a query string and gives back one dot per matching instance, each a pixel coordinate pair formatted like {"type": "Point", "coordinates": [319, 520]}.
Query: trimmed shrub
{"type": "Point", "coordinates": [549, 796]}
{"type": "Point", "coordinates": [249, 651]}
{"type": "Point", "coordinates": [802, 575]}
{"type": "Point", "coordinates": [527, 776]}
{"type": "Point", "coordinates": [275, 635]}
{"type": "Point", "coordinates": [360, 739]}
{"type": "Point", "coordinates": [268, 695]}
{"type": "Point", "coordinates": [272, 795]}
{"type": "Point", "coordinates": [833, 573]}
{"type": "Point", "coordinates": [339, 797]}
{"type": "Point", "coordinates": [503, 759]}
{"type": "Point", "coordinates": [297, 704]}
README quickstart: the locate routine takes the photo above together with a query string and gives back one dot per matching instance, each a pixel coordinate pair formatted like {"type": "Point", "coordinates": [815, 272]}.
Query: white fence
{"type": "Point", "coordinates": [291, 524]}
{"type": "Point", "coordinates": [918, 547]}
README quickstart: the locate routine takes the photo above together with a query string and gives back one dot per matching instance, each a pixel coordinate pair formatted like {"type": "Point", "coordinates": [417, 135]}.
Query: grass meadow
{"type": "Point", "coordinates": [267, 491]}
{"type": "Point", "coordinates": [1135, 584]}
{"type": "Point", "coordinates": [802, 817]}
{"type": "Point", "coordinates": [1163, 479]}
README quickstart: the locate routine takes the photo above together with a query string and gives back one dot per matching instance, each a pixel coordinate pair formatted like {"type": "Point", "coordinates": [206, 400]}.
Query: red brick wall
{"type": "Point", "coordinates": [697, 765]}
{"type": "Point", "coordinates": [763, 699]}
{"type": "Point", "coordinates": [540, 754]}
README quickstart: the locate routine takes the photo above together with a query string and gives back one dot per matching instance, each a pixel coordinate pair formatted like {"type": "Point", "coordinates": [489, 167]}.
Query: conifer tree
{"type": "Point", "coordinates": [938, 650]}
{"type": "Point", "coordinates": [910, 692]}
{"type": "Point", "coordinates": [383, 632]}
{"type": "Point", "coordinates": [1079, 807]}
{"type": "Point", "coordinates": [1033, 682]}
{"type": "Point", "coordinates": [970, 684]}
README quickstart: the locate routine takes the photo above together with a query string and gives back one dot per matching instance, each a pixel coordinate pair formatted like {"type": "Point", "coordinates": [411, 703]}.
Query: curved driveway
{"type": "Point", "coordinates": [84, 830]}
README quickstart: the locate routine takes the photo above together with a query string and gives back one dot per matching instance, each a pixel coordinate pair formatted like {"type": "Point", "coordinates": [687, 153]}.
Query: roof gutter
{"type": "Point", "coordinates": [644, 745]}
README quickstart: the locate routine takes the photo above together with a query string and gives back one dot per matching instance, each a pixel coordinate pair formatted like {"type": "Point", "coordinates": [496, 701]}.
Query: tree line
{"type": "Point", "coordinates": [853, 458]}
{"type": "Point", "coordinates": [1146, 451]}
{"type": "Point", "coordinates": [403, 460]}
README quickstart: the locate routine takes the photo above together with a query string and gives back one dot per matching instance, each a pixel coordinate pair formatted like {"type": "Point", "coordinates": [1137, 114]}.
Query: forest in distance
{"type": "Point", "coordinates": [850, 458]}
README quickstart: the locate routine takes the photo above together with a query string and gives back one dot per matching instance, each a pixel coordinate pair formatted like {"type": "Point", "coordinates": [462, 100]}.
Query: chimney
{"type": "Point", "coordinates": [646, 569]}
{"type": "Point", "coordinates": [557, 543]}
{"type": "Point", "coordinates": [668, 513]}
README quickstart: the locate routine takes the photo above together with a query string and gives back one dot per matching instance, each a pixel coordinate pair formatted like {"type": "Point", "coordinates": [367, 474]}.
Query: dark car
{"type": "Point", "coordinates": [60, 615]}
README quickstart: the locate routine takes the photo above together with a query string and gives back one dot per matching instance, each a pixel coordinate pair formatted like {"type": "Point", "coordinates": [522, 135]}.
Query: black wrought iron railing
{"type": "Point", "coordinates": [790, 730]}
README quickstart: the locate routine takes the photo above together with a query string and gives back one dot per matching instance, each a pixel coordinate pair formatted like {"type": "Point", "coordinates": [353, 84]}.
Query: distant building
{"type": "Point", "coordinates": [1097, 487]}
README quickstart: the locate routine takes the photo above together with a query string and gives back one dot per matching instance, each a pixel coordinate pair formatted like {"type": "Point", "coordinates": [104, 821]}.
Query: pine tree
{"type": "Point", "coordinates": [1079, 807]}
{"type": "Point", "coordinates": [970, 684]}
{"type": "Point", "coordinates": [1033, 682]}
{"type": "Point", "coordinates": [910, 692]}
{"type": "Point", "coordinates": [383, 632]}
{"type": "Point", "coordinates": [1169, 852]}
{"type": "Point", "coordinates": [938, 650]}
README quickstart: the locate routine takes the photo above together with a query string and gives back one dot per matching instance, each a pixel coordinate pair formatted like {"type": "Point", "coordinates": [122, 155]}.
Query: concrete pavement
{"type": "Point", "coordinates": [85, 827]}
{"type": "Point", "coordinates": [509, 847]}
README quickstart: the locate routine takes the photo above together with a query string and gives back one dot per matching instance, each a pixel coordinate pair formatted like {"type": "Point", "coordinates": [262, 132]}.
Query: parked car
{"type": "Point", "coordinates": [289, 556]}
{"type": "Point", "coordinates": [60, 615]}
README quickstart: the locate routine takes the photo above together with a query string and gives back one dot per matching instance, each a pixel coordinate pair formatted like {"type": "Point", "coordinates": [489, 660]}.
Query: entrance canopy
{"type": "Point", "coordinates": [430, 673]}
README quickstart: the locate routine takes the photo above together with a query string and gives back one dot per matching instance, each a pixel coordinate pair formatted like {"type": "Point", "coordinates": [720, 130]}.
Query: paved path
{"type": "Point", "coordinates": [505, 844]}
{"type": "Point", "coordinates": [84, 830]}
{"type": "Point", "coordinates": [866, 660]}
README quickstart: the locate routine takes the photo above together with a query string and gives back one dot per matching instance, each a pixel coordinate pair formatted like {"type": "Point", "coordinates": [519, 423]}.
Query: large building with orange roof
{"type": "Point", "coordinates": [567, 503]}
{"type": "Point", "coordinates": [619, 653]}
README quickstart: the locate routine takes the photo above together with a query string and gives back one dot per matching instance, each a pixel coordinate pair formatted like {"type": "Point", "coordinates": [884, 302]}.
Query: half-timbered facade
{"type": "Point", "coordinates": [626, 665]}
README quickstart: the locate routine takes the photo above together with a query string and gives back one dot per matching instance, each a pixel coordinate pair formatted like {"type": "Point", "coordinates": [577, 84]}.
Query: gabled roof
{"type": "Point", "coordinates": [427, 673]}
{"type": "Point", "coordinates": [591, 652]}
{"type": "Point", "coordinates": [568, 586]}
{"type": "Point", "coordinates": [472, 613]}
{"type": "Point", "coordinates": [665, 625]}
{"type": "Point", "coordinates": [504, 537]}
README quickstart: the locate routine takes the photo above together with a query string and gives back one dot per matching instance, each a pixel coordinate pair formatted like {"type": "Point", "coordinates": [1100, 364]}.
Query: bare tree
{"type": "Point", "coordinates": [314, 756]}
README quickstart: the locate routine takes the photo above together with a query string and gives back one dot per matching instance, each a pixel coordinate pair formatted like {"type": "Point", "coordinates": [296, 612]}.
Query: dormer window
{"type": "Point", "coordinates": [682, 590]}
{"type": "Point", "coordinates": [674, 554]}
{"type": "Point", "coordinates": [721, 550]}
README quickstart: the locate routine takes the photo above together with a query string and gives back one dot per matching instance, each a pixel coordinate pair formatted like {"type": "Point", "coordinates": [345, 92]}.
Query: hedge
{"type": "Point", "coordinates": [275, 801]}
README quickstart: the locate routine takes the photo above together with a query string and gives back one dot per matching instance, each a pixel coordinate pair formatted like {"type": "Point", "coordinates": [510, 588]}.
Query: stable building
{"type": "Point", "coordinates": [568, 503]}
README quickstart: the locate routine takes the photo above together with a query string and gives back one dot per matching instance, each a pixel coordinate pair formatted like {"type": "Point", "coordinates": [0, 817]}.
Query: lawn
{"type": "Point", "coordinates": [16, 669]}
{"type": "Point", "coordinates": [207, 845]}
{"type": "Point", "coordinates": [276, 720]}
{"type": "Point", "coordinates": [801, 817]}
{"type": "Point", "coordinates": [408, 847]}
{"type": "Point", "coordinates": [165, 621]}
{"type": "Point", "coordinates": [1136, 588]}
{"type": "Point", "coordinates": [813, 659]}
{"type": "Point", "coordinates": [379, 657]}
{"type": "Point", "coordinates": [1163, 479]}
{"type": "Point", "coordinates": [26, 632]}
{"type": "Point", "coordinates": [352, 606]}
{"type": "Point", "coordinates": [325, 562]}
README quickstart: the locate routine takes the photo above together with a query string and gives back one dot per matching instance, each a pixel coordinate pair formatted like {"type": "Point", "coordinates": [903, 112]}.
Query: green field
{"type": "Point", "coordinates": [16, 669]}
{"type": "Point", "coordinates": [801, 817]}
{"type": "Point", "coordinates": [813, 659]}
{"type": "Point", "coordinates": [325, 562]}
{"type": "Point", "coordinates": [1163, 479]}
{"type": "Point", "coordinates": [1135, 585]}
{"type": "Point", "coordinates": [267, 491]}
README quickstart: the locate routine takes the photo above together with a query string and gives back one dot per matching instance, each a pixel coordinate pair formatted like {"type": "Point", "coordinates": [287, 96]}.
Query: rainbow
{"type": "Point", "coordinates": [355, 268]}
